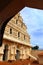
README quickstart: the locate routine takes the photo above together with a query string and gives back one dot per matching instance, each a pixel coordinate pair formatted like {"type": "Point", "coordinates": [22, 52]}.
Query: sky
{"type": "Point", "coordinates": [33, 18]}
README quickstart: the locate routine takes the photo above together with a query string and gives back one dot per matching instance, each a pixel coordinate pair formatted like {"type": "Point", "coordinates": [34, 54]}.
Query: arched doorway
{"type": "Point", "coordinates": [5, 55]}
{"type": "Point", "coordinates": [17, 57]}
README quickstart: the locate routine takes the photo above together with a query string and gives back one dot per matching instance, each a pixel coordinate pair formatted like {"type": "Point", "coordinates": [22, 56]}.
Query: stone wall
{"type": "Point", "coordinates": [16, 27]}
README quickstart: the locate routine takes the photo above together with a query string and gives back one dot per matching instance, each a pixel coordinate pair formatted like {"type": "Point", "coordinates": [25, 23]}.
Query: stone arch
{"type": "Point", "coordinates": [9, 8]}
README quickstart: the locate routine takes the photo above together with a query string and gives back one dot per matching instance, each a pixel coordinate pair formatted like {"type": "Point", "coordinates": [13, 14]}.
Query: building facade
{"type": "Point", "coordinates": [16, 41]}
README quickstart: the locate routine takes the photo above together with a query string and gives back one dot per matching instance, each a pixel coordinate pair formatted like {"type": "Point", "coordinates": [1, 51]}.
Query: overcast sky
{"type": "Point", "coordinates": [33, 18]}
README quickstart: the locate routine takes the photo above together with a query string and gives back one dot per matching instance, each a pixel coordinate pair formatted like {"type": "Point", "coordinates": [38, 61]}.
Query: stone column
{"type": "Point", "coordinates": [12, 52]}
{"type": "Point", "coordinates": [9, 53]}
{"type": "Point", "coordinates": [1, 52]}
{"type": "Point", "coordinates": [22, 53]}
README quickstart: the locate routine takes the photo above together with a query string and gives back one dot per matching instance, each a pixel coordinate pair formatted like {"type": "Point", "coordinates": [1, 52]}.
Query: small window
{"type": "Point", "coordinates": [10, 30]}
{"type": "Point", "coordinates": [22, 25]}
{"type": "Point", "coordinates": [18, 34]}
{"type": "Point", "coordinates": [18, 16]}
{"type": "Point", "coordinates": [16, 21]}
{"type": "Point", "coordinates": [24, 37]}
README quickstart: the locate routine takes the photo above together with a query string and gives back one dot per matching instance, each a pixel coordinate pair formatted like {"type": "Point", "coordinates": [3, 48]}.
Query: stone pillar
{"type": "Point", "coordinates": [21, 57]}
{"type": "Point", "coordinates": [27, 52]}
{"type": "Point", "coordinates": [24, 57]}
{"type": "Point", "coordinates": [1, 52]}
{"type": "Point", "coordinates": [12, 53]}
{"type": "Point", "coordinates": [9, 53]}
{"type": "Point", "coordinates": [22, 53]}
